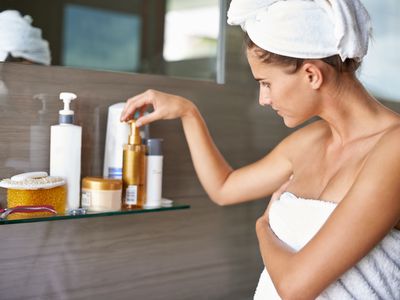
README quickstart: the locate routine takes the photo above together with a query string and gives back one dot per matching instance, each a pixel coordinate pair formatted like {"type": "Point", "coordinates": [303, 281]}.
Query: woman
{"type": "Point", "coordinates": [343, 244]}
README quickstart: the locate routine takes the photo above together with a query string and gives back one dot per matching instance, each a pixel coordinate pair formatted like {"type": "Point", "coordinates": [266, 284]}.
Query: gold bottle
{"type": "Point", "coordinates": [133, 170]}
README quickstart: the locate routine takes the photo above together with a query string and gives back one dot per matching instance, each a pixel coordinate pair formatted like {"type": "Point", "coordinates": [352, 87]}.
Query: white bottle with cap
{"type": "Point", "coordinates": [154, 173]}
{"type": "Point", "coordinates": [116, 137]}
{"type": "Point", "coordinates": [65, 151]}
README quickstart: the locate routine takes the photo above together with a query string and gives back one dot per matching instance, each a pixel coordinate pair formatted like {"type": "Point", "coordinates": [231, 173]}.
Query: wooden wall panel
{"type": "Point", "coordinates": [206, 252]}
{"type": "Point", "coordinates": [235, 119]}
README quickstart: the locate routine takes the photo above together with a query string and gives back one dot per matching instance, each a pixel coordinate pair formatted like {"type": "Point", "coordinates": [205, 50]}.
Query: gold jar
{"type": "Point", "coordinates": [35, 189]}
{"type": "Point", "coordinates": [101, 194]}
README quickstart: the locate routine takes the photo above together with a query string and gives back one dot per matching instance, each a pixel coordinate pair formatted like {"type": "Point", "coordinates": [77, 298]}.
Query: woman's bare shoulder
{"type": "Point", "coordinates": [389, 139]}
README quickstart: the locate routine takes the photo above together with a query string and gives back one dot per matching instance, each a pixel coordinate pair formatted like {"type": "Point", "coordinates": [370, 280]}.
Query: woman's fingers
{"type": "Point", "coordinates": [146, 119]}
{"type": "Point", "coordinates": [143, 110]}
{"type": "Point", "coordinates": [165, 106]}
{"type": "Point", "coordinates": [133, 104]}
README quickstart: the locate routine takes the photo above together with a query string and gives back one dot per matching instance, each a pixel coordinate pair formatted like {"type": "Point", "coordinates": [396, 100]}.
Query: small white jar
{"type": "Point", "coordinates": [101, 194]}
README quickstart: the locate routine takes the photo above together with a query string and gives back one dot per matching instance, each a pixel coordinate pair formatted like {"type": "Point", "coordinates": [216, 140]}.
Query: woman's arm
{"type": "Point", "coordinates": [361, 220]}
{"type": "Point", "coordinates": [223, 184]}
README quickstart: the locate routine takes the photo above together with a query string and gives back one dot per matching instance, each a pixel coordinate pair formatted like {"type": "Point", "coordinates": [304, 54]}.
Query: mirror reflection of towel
{"type": "Point", "coordinates": [20, 39]}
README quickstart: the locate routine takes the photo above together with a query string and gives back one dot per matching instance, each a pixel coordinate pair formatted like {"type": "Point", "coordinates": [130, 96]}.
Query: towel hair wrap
{"type": "Point", "coordinates": [308, 29]}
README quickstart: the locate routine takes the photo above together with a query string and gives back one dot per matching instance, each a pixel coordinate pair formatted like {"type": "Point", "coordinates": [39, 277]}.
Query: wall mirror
{"type": "Point", "coordinates": [379, 70]}
{"type": "Point", "coordinates": [170, 37]}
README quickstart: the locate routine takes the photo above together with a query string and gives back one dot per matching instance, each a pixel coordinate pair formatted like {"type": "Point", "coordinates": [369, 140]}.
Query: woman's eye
{"type": "Point", "coordinates": [265, 84]}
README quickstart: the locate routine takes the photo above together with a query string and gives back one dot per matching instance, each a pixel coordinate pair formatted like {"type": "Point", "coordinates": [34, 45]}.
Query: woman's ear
{"type": "Point", "coordinates": [313, 74]}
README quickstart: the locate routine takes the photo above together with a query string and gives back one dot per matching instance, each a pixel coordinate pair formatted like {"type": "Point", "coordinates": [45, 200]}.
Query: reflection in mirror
{"type": "Point", "coordinates": [170, 37]}
{"type": "Point", "coordinates": [20, 41]}
{"type": "Point", "coordinates": [98, 39]}
{"type": "Point", "coordinates": [191, 35]}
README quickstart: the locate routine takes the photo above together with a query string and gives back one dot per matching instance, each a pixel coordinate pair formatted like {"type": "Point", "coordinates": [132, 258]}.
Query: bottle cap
{"type": "Point", "coordinates": [154, 146]}
{"type": "Point", "coordinates": [134, 135]}
{"type": "Point", "coordinates": [166, 203]}
{"type": "Point", "coordinates": [99, 183]}
{"type": "Point", "coordinates": [66, 116]}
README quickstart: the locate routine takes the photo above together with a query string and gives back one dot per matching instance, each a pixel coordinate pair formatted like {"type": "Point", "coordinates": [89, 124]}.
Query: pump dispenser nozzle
{"type": "Point", "coordinates": [43, 98]}
{"type": "Point", "coordinates": [134, 135]}
{"type": "Point", "coordinates": [66, 116]}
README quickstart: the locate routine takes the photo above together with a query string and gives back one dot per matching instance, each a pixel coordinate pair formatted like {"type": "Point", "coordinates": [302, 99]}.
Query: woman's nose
{"type": "Point", "coordinates": [264, 100]}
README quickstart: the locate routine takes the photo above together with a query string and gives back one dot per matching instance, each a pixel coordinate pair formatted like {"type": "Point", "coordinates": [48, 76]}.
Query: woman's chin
{"type": "Point", "coordinates": [290, 122]}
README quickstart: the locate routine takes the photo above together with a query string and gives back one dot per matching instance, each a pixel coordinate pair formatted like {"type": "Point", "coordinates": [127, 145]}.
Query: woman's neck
{"type": "Point", "coordinates": [352, 113]}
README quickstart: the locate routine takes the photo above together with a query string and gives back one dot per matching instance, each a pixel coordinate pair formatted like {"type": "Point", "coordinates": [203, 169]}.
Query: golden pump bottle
{"type": "Point", "coordinates": [133, 170]}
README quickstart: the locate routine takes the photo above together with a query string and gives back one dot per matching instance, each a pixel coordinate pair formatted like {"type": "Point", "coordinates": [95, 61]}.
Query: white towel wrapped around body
{"type": "Point", "coordinates": [377, 276]}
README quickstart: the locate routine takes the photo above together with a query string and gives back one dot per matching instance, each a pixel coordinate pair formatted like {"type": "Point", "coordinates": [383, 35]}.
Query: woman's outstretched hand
{"type": "Point", "coordinates": [165, 107]}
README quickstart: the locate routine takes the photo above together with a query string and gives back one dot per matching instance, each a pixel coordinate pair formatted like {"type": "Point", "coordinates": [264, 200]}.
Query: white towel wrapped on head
{"type": "Point", "coordinates": [305, 28]}
{"type": "Point", "coordinates": [295, 221]}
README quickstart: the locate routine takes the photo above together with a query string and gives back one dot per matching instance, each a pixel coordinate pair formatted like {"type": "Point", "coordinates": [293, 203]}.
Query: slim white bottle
{"type": "Point", "coordinates": [116, 137]}
{"type": "Point", "coordinates": [65, 151]}
{"type": "Point", "coordinates": [154, 173]}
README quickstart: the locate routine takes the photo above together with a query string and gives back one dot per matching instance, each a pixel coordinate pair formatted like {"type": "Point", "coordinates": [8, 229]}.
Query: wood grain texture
{"type": "Point", "coordinates": [243, 131]}
{"type": "Point", "coordinates": [206, 252]}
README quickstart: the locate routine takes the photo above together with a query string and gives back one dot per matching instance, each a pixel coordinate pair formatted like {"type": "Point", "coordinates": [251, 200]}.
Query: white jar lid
{"type": "Point", "coordinates": [32, 181]}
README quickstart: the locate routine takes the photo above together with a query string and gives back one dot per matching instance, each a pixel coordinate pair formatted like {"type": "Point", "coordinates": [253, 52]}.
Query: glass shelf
{"type": "Point", "coordinates": [14, 218]}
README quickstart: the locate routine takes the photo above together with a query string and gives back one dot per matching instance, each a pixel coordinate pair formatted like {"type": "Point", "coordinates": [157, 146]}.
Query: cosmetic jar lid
{"type": "Point", "coordinates": [166, 203]}
{"type": "Point", "coordinates": [100, 183]}
{"type": "Point", "coordinates": [32, 181]}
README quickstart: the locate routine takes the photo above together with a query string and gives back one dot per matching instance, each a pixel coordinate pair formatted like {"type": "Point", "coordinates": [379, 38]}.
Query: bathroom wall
{"type": "Point", "coordinates": [205, 252]}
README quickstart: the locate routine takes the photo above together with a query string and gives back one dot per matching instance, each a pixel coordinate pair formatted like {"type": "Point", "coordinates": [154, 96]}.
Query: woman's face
{"type": "Point", "coordinates": [287, 93]}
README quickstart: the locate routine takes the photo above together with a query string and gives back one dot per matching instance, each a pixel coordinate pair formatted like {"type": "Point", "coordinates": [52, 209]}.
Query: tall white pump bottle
{"type": "Point", "coordinates": [65, 151]}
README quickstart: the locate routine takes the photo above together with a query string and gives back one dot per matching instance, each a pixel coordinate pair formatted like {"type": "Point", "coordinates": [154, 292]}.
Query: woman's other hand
{"type": "Point", "coordinates": [165, 107]}
{"type": "Point", "coordinates": [275, 196]}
